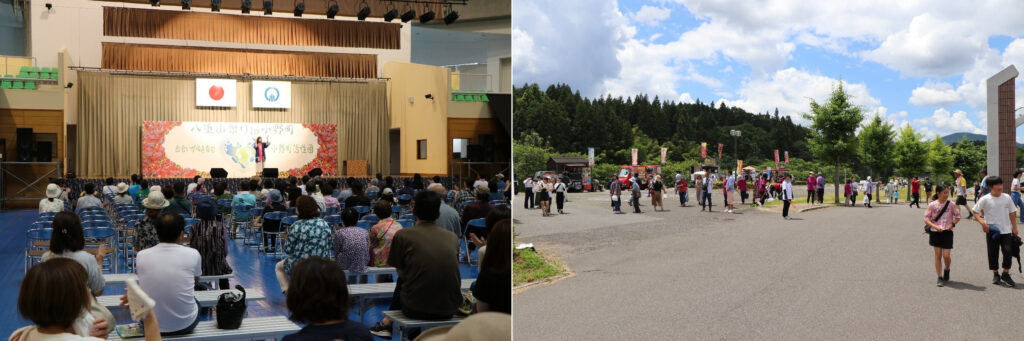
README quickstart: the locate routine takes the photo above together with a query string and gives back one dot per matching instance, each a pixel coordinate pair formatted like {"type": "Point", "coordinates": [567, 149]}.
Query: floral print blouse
{"type": "Point", "coordinates": [307, 238]}
{"type": "Point", "coordinates": [145, 234]}
{"type": "Point", "coordinates": [352, 248]}
{"type": "Point", "coordinates": [380, 239]}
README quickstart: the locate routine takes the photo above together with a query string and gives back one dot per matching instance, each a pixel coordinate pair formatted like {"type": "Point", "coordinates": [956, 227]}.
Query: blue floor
{"type": "Point", "coordinates": [251, 269]}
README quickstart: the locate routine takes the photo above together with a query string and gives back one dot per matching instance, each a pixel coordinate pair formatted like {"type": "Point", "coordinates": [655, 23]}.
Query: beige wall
{"type": "Point", "coordinates": [47, 97]}
{"type": "Point", "coordinates": [417, 117]}
{"type": "Point", "coordinates": [468, 110]}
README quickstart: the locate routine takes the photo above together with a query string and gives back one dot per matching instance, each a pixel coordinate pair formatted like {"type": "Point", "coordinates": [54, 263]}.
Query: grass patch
{"type": "Point", "coordinates": [529, 266]}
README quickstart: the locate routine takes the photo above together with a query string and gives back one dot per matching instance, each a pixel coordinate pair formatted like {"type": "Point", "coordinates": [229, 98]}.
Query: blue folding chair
{"type": "Point", "coordinates": [363, 210]}
{"type": "Point", "coordinates": [331, 210]}
{"type": "Point", "coordinates": [277, 216]}
{"type": "Point", "coordinates": [333, 220]}
{"type": "Point", "coordinates": [371, 218]}
{"type": "Point", "coordinates": [364, 224]}
{"type": "Point", "coordinates": [478, 222]}
{"type": "Point", "coordinates": [240, 217]}
{"type": "Point", "coordinates": [406, 222]}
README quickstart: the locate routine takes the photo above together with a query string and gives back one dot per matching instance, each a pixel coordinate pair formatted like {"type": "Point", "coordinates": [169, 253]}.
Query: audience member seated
{"type": "Point", "coordinates": [272, 225]}
{"type": "Point", "coordinates": [133, 189]}
{"type": "Point", "coordinates": [407, 189]}
{"type": "Point", "coordinates": [51, 203]}
{"type": "Point", "coordinates": [329, 200]}
{"type": "Point", "coordinates": [493, 289]}
{"type": "Point", "coordinates": [373, 186]}
{"type": "Point", "coordinates": [179, 205]}
{"type": "Point", "coordinates": [480, 181]}
{"type": "Point", "coordinates": [243, 197]}
{"type": "Point", "coordinates": [220, 192]}
{"type": "Point", "coordinates": [464, 194]}
{"type": "Point", "coordinates": [358, 197]}
{"type": "Point", "coordinates": [143, 190]}
{"type": "Point", "coordinates": [352, 243]}
{"type": "Point", "coordinates": [254, 188]}
{"type": "Point", "coordinates": [109, 189]}
{"type": "Point", "coordinates": [198, 191]}
{"type": "Point", "coordinates": [426, 258]}
{"type": "Point", "coordinates": [193, 185]}
{"type": "Point", "coordinates": [417, 182]}
{"type": "Point", "coordinates": [310, 236]}
{"type": "Point", "coordinates": [68, 241]}
{"type": "Point", "coordinates": [389, 182]}
{"type": "Point", "coordinates": [313, 188]}
{"type": "Point", "coordinates": [208, 240]}
{"type": "Point", "coordinates": [388, 195]}
{"type": "Point", "coordinates": [168, 273]}
{"type": "Point", "coordinates": [294, 192]}
{"type": "Point", "coordinates": [268, 185]}
{"type": "Point", "coordinates": [449, 218]}
{"type": "Point", "coordinates": [478, 209]}
{"type": "Point", "coordinates": [64, 190]}
{"type": "Point", "coordinates": [497, 214]}
{"type": "Point", "coordinates": [122, 196]}
{"type": "Point", "coordinates": [89, 198]}
{"type": "Point", "coordinates": [383, 233]}
{"type": "Point", "coordinates": [302, 184]}
{"type": "Point", "coordinates": [319, 299]}
{"type": "Point", "coordinates": [59, 308]}
{"type": "Point", "coordinates": [145, 229]}
{"type": "Point", "coordinates": [334, 185]}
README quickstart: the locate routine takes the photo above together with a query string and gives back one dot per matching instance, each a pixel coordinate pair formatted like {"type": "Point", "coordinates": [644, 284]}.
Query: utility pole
{"type": "Point", "coordinates": [735, 141]}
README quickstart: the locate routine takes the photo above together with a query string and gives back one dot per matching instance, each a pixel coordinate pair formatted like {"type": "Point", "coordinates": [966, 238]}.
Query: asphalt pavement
{"type": "Point", "coordinates": [834, 273]}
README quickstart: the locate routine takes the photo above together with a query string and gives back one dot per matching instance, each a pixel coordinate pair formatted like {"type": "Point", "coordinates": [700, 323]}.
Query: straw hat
{"type": "Point", "coordinates": [122, 187]}
{"type": "Point", "coordinates": [958, 172]}
{"type": "Point", "coordinates": [155, 201]}
{"type": "Point", "coordinates": [52, 191]}
{"type": "Point", "coordinates": [480, 326]}
{"type": "Point", "coordinates": [482, 190]}
{"type": "Point", "coordinates": [274, 195]}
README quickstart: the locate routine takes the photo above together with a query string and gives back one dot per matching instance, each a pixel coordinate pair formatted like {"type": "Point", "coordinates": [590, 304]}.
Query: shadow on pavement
{"type": "Point", "coordinates": [964, 286]}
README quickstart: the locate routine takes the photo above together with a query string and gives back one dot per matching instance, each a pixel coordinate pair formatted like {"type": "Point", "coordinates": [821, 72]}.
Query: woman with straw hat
{"type": "Point", "coordinates": [145, 230]}
{"type": "Point", "coordinates": [122, 196]}
{"type": "Point", "coordinates": [51, 203]}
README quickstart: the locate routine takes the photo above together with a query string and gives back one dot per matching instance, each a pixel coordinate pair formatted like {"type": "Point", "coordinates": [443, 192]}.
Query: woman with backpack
{"type": "Point", "coordinates": [208, 239]}
{"type": "Point", "coordinates": [657, 189]}
{"type": "Point", "coordinates": [940, 219]}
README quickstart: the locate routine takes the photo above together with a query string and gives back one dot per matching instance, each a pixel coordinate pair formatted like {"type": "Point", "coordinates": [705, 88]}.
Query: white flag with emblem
{"type": "Point", "coordinates": [271, 94]}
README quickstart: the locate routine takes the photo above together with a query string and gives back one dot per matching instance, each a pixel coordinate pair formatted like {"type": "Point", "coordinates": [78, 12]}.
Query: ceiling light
{"type": "Point", "coordinates": [299, 8]}
{"type": "Point", "coordinates": [268, 7]}
{"type": "Point", "coordinates": [186, 4]}
{"type": "Point", "coordinates": [154, 3]}
{"type": "Point", "coordinates": [451, 17]}
{"type": "Point", "coordinates": [246, 6]}
{"type": "Point", "coordinates": [427, 17]}
{"type": "Point", "coordinates": [363, 12]}
{"type": "Point", "coordinates": [391, 15]}
{"type": "Point", "coordinates": [332, 9]}
{"type": "Point", "coordinates": [408, 15]}
{"type": "Point", "coordinates": [215, 5]}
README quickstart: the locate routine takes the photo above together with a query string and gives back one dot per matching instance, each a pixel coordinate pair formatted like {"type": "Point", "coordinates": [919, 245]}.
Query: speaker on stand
{"type": "Point", "coordinates": [26, 140]}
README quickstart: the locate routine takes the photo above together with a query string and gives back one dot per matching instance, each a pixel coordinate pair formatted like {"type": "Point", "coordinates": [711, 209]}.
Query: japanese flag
{"type": "Point", "coordinates": [215, 92]}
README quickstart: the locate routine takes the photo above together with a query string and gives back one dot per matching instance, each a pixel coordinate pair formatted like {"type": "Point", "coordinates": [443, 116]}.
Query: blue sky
{"type": "Point", "coordinates": [922, 63]}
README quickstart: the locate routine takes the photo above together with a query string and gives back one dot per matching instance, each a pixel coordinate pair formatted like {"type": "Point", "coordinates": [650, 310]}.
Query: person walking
{"type": "Point", "coordinates": [699, 186]}
{"type": "Point", "coordinates": [941, 219]}
{"type": "Point", "coordinates": [869, 190]}
{"type": "Point", "coordinates": [1015, 193]}
{"type": "Point", "coordinates": [681, 188]}
{"type": "Point", "coordinates": [730, 191]}
{"type": "Point", "coordinates": [528, 198]}
{"type": "Point", "coordinates": [960, 188]}
{"type": "Point", "coordinates": [812, 187]}
{"type": "Point", "coordinates": [928, 189]}
{"type": "Point", "coordinates": [854, 189]}
{"type": "Point", "coordinates": [543, 189]}
{"type": "Point", "coordinates": [762, 188]}
{"type": "Point", "coordinates": [846, 193]}
{"type": "Point", "coordinates": [635, 189]}
{"type": "Point", "coordinates": [998, 218]}
{"type": "Point", "coordinates": [709, 186]}
{"type": "Point", "coordinates": [741, 184]}
{"type": "Point", "coordinates": [657, 190]}
{"type": "Point", "coordinates": [819, 183]}
{"type": "Point", "coordinates": [787, 195]}
{"type": "Point", "coordinates": [615, 191]}
{"type": "Point", "coordinates": [984, 189]}
{"type": "Point", "coordinates": [560, 195]}
{"type": "Point", "coordinates": [915, 192]}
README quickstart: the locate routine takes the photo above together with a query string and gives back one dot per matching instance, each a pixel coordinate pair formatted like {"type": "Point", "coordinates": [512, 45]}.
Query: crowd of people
{"type": "Point", "coordinates": [316, 254]}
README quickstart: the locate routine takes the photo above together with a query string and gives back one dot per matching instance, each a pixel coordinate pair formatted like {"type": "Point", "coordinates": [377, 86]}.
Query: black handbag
{"type": "Point", "coordinates": [231, 309]}
{"type": "Point", "coordinates": [928, 229]}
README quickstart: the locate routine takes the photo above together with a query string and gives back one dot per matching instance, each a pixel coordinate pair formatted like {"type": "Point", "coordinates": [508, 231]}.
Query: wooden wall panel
{"type": "Point", "coordinates": [252, 29]}
{"type": "Point", "coordinates": [234, 61]}
{"type": "Point", "coordinates": [41, 121]}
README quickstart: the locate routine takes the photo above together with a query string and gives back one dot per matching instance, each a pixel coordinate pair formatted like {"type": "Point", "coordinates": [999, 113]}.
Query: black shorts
{"type": "Point", "coordinates": [942, 239]}
{"type": "Point", "coordinates": [961, 200]}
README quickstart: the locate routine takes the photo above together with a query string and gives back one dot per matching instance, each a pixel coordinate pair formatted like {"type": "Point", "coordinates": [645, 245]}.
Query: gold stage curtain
{"type": "Point", "coordinates": [250, 29]}
{"type": "Point", "coordinates": [111, 109]}
{"type": "Point", "coordinates": [120, 56]}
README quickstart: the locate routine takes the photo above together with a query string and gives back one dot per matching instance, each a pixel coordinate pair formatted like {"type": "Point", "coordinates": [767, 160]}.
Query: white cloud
{"type": "Point", "coordinates": [685, 98]}
{"type": "Point", "coordinates": [934, 94]}
{"type": "Point", "coordinates": [791, 91]}
{"type": "Point", "coordinates": [930, 46]}
{"type": "Point", "coordinates": [942, 123]}
{"type": "Point", "coordinates": [651, 15]}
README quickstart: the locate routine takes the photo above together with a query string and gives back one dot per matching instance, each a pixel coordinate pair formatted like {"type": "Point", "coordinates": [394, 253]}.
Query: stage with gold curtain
{"type": "Point", "coordinates": [112, 108]}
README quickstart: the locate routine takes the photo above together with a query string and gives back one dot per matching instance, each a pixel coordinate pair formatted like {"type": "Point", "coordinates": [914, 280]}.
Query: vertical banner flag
{"type": "Point", "coordinates": [664, 153]}
{"type": "Point", "coordinates": [271, 94]}
{"type": "Point", "coordinates": [634, 156]}
{"type": "Point", "coordinates": [215, 92]}
{"type": "Point", "coordinates": [590, 156]}
{"type": "Point", "coordinates": [703, 150]}
{"type": "Point", "coordinates": [776, 156]}
{"type": "Point", "coordinates": [739, 166]}
{"type": "Point", "coordinates": [720, 146]}
{"type": "Point", "coordinates": [787, 156]}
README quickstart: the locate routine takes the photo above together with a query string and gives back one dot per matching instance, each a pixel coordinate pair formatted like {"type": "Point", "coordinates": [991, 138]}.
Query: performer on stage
{"type": "Point", "coordinates": [261, 155]}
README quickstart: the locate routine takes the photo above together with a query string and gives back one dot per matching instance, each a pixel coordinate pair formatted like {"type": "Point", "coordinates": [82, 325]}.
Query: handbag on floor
{"type": "Point", "coordinates": [231, 309]}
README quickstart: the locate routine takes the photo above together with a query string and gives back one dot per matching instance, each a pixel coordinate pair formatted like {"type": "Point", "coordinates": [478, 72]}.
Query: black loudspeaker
{"type": "Point", "coordinates": [26, 140]}
{"type": "Point", "coordinates": [44, 151]}
{"type": "Point", "coordinates": [218, 173]}
{"type": "Point", "coordinates": [487, 144]}
{"type": "Point", "coordinates": [315, 172]}
{"type": "Point", "coordinates": [270, 172]}
{"type": "Point", "coordinates": [475, 153]}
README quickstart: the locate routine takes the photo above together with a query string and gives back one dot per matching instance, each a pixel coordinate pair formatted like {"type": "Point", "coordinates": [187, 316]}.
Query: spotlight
{"type": "Point", "coordinates": [429, 96]}
{"type": "Point", "coordinates": [186, 4]}
{"type": "Point", "coordinates": [246, 6]}
{"type": "Point", "coordinates": [215, 5]}
{"type": "Point", "coordinates": [426, 17]}
{"type": "Point", "coordinates": [49, 6]}
{"type": "Point", "coordinates": [391, 15]}
{"type": "Point", "coordinates": [451, 17]}
{"type": "Point", "coordinates": [154, 3]}
{"type": "Point", "coordinates": [363, 12]}
{"type": "Point", "coordinates": [299, 8]}
{"type": "Point", "coordinates": [69, 85]}
{"type": "Point", "coordinates": [332, 9]}
{"type": "Point", "coordinates": [268, 7]}
{"type": "Point", "coordinates": [408, 15]}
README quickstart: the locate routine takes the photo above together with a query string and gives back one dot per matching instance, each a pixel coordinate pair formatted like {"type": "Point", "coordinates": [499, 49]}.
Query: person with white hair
{"type": "Point", "coordinates": [869, 189]}
{"type": "Point", "coordinates": [449, 218]}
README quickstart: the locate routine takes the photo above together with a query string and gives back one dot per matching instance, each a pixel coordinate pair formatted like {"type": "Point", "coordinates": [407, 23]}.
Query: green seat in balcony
{"type": "Point", "coordinates": [30, 85]}
{"type": "Point", "coordinates": [483, 98]}
{"type": "Point", "coordinates": [54, 74]}
{"type": "Point", "coordinates": [5, 84]}
{"type": "Point", "coordinates": [44, 75]}
{"type": "Point", "coordinates": [17, 85]}
{"type": "Point", "coordinates": [25, 69]}
{"type": "Point", "coordinates": [35, 69]}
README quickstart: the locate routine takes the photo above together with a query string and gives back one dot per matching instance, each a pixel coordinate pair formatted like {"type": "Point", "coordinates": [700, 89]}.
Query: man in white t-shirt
{"type": "Point", "coordinates": [998, 218]}
{"type": "Point", "coordinates": [168, 272]}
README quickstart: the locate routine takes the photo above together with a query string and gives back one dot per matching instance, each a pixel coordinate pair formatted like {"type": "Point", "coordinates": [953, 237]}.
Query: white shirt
{"type": "Point", "coordinates": [528, 183]}
{"type": "Point", "coordinates": [191, 188]}
{"type": "Point", "coordinates": [319, 198]}
{"type": "Point", "coordinates": [479, 183]}
{"type": "Point", "coordinates": [46, 205]}
{"type": "Point", "coordinates": [167, 273]}
{"type": "Point", "coordinates": [787, 190]}
{"type": "Point", "coordinates": [1014, 184]}
{"type": "Point", "coordinates": [32, 333]}
{"type": "Point", "coordinates": [996, 211]}
{"type": "Point", "coordinates": [303, 188]}
{"type": "Point", "coordinates": [123, 199]}
{"type": "Point", "coordinates": [89, 201]}
{"type": "Point", "coordinates": [110, 189]}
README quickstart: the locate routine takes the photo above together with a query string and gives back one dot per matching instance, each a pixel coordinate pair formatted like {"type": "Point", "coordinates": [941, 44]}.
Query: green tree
{"type": "Point", "coordinates": [969, 157]}
{"type": "Point", "coordinates": [833, 137]}
{"type": "Point", "coordinates": [874, 147]}
{"type": "Point", "coordinates": [940, 159]}
{"type": "Point", "coordinates": [911, 154]}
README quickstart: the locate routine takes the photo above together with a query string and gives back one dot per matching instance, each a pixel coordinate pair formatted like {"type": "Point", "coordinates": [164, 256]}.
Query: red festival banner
{"type": "Point", "coordinates": [787, 156]}
{"type": "Point", "coordinates": [703, 150]}
{"type": "Point", "coordinates": [634, 157]}
{"type": "Point", "coordinates": [720, 146]}
{"type": "Point", "coordinates": [664, 153]}
{"type": "Point", "coordinates": [174, 149]}
{"type": "Point", "coordinates": [776, 156]}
